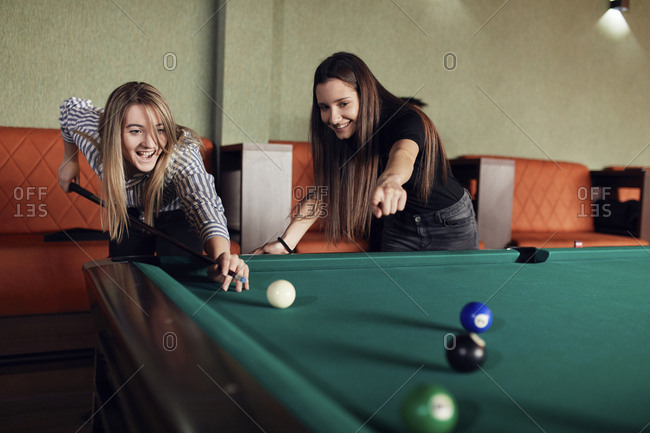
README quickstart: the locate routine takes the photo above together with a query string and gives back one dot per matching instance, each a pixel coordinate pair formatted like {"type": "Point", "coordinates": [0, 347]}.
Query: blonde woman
{"type": "Point", "coordinates": [150, 168]}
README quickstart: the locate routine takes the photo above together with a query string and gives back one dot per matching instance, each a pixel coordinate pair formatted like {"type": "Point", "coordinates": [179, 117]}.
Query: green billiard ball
{"type": "Point", "coordinates": [429, 409]}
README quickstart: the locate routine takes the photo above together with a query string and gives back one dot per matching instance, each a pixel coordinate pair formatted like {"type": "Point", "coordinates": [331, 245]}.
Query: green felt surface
{"type": "Point", "coordinates": [567, 351]}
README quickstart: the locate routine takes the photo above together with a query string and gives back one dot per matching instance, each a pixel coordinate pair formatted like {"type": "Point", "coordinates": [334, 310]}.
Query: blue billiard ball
{"type": "Point", "coordinates": [476, 317]}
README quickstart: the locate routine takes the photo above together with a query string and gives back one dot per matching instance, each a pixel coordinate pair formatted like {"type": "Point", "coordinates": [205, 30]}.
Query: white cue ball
{"type": "Point", "coordinates": [281, 294]}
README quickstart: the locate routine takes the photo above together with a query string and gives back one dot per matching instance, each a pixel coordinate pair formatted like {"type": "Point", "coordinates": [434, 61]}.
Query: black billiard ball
{"type": "Point", "coordinates": [465, 352]}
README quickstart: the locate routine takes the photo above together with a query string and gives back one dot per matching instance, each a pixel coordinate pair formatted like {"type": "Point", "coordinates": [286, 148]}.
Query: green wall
{"type": "Point", "coordinates": [51, 50]}
{"type": "Point", "coordinates": [524, 77]}
{"type": "Point", "coordinates": [537, 78]}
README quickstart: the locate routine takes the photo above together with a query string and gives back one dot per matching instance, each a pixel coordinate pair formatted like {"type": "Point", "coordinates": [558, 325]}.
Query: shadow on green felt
{"type": "Point", "coordinates": [384, 355]}
{"type": "Point", "coordinates": [403, 320]}
{"type": "Point", "coordinates": [205, 290]}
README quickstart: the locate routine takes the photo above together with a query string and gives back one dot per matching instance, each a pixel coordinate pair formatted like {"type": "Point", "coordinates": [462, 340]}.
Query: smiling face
{"type": "Point", "coordinates": [339, 107]}
{"type": "Point", "coordinates": [139, 146]}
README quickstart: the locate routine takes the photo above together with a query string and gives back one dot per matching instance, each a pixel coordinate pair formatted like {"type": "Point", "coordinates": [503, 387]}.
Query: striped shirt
{"type": "Point", "coordinates": [188, 186]}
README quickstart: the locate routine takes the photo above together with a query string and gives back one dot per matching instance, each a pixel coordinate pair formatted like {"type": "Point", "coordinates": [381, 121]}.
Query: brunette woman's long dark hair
{"type": "Point", "coordinates": [346, 171]}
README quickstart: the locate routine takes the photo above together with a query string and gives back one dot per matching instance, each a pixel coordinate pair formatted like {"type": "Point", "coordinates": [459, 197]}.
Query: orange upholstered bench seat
{"type": "Point", "coordinates": [314, 242]}
{"type": "Point", "coordinates": [40, 277]}
{"type": "Point", "coordinates": [44, 277]}
{"type": "Point", "coordinates": [569, 239]}
{"type": "Point", "coordinates": [552, 206]}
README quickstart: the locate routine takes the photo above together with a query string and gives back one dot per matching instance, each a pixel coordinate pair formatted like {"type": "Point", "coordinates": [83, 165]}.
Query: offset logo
{"type": "Point", "coordinates": [309, 209]}
{"type": "Point", "coordinates": [449, 341]}
{"type": "Point", "coordinates": [170, 341]}
{"type": "Point", "coordinates": [29, 201]}
{"type": "Point", "coordinates": [595, 209]}
{"type": "Point", "coordinates": [169, 61]}
{"type": "Point", "coordinates": [450, 61]}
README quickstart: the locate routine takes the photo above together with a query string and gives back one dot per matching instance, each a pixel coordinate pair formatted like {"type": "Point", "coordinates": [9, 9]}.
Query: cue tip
{"type": "Point", "coordinates": [237, 277]}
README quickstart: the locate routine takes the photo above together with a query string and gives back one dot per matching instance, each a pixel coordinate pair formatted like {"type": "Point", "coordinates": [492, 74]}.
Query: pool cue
{"type": "Point", "coordinates": [92, 197]}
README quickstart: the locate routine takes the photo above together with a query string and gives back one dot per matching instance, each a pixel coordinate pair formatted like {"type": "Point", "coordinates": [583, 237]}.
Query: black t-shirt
{"type": "Point", "coordinates": [406, 124]}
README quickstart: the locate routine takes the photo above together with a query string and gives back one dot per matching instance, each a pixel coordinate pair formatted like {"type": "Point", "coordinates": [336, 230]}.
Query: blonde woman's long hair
{"type": "Point", "coordinates": [111, 123]}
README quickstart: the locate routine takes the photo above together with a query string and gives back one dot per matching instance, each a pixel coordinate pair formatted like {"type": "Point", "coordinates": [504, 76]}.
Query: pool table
{"type": "Point", "coordinates": [567, 350]}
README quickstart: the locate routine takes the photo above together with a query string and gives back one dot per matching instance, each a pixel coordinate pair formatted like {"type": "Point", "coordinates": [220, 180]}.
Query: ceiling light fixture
{"type": "Point", "coordinates": [621, 5]}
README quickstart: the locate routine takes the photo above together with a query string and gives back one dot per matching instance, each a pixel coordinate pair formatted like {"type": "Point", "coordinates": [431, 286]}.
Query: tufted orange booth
{"type": "Point", "coordinates": [302, 180]}
{"type": "Point", "coordinates": [39, 276]}
{"type": "Point", "coordinates": [42, 277]}
{"type": "Point", "coordinates": [553, 206]}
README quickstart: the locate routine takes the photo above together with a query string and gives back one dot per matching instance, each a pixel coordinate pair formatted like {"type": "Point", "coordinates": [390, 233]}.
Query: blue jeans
{"type": "Point", "coordinates": [452, 228]}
